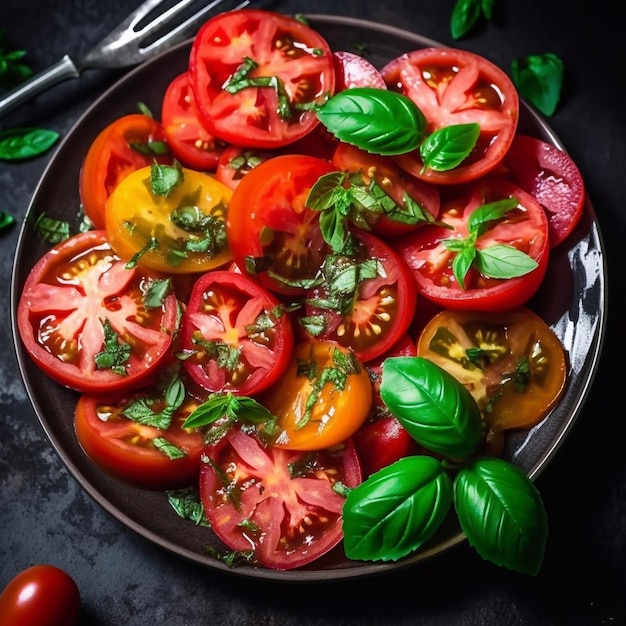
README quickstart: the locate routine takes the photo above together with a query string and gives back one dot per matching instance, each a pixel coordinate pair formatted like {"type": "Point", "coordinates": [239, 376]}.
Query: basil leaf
{"type": "Point", "coordinates": [449, 146]}
{"type": "Point", "coordinates": [487, 8]}
{"type": "Point", "coordinates": [501, 513]}
{"type": "Point", "coordinates": [434, 407]}
{"type": "Point", "coordinates": [376, 120]}
{"type": "Point", "coordinates": [465, 15]}
{"type": "Point", "coordinates": [462, 263]}
{"type": "Point", "coordinates": [25, 143]}
{"type": "Point", "coordinates": [503, 261]}
{"type": "Point", "coordinates": [396, 509]}
{"type": "Point", "coordinates": [6, 220]}
{"type": "Point", "coordinates": [539, 78]}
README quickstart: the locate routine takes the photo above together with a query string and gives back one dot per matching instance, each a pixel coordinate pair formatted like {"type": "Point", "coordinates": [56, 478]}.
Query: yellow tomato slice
{"type": "Point", "coordinates": [323, 398]}
{"type": "Point", "coordinates": [180, 232]}
{"type": "Point", "coordinates": [512, 363]}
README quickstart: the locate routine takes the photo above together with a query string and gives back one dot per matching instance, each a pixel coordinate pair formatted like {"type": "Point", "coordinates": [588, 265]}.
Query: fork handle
{"type": "Point", "coordinates": [60, 71]}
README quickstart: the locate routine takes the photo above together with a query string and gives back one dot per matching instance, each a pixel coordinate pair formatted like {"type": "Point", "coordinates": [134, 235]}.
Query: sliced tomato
{"type": "Point", "coordinates": [279, 504]}
{"type": "Point", "coordinates": [125, 145]}
{"type": "Point", "coordinates": [139, 439]}
{"type": "Point", "coordinates": [524, 228]}
{"type": "Point", "coordinates": [512, 363]}
{"type": "Point", "coordinates": [412, 202]}
{"type": "Point", "coordinates": [183, 231]}
{"type": "Point", "coordinates": [322, 399]}
{"type": "Point", "coordinates": [236, 161]}
{"type": "Point", "coordinates": [237, 336]}
{"type": "Point", "coordinates": [252, 69]}
{"type": "Point", "coordinates": [354, 70]}
{"type": "Point", "coordinates": [452, 86]}
{"type": "Point", "coordinates": [550, 175]}
{"type": "Point", "coordinates": [73, 293]}
{"type": "Point", "coordinates": [273, 235]}
{"type": "Point", "coordinates": [188, 139]}
{"type": "Point", "coordinates": [366, 315]}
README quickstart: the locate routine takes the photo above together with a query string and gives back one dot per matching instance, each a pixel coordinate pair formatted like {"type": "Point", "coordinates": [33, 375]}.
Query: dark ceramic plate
{"type": "Point", "coordinates": [572, 300]}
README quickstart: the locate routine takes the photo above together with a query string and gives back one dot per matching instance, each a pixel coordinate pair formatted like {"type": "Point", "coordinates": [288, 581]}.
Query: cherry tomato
{"type": "Point", "coordinates": [239, 336]}
{"type": "Point", "coordinates": [321, 400]}
{"type": "Point", "coordinates": [121, 148]}
{"type": "Point", "coordinates": [512, 363]}
{"type": "Point", "coordinates": [280, 504]}
{"type": "Point", "coordinates": [271, 232]}
{"type": "Point", "coordinates": [524, 228]}
{"type": "Point", "coordinates": [354, 70]}
{"type": "Point", "coordinates": [371, 315]}
{"type": "Point", "coordinates": [236, 161]}
{"type": "Point", "coordinates": [41, 595]}
{"type": "Point", "coordinates": [450, 87]}
{"type": "Point", "coordinates": [87, 322]}
{"type": "Point", "coordinates": [186, 136]}
{"type": "Point", "coordinates": [550, 175]}
{"type": "Point", "coordinates": [410, 195]}
{"type": "Point", "coordinates": [180, 232]}
{"type": "Point", "coordinates": [248, 71]}
{"type": "Point", "coordinates": [139, 438]}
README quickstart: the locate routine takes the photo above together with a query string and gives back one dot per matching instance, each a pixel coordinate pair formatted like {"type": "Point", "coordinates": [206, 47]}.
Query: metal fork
{"type": "Point", "coordinates": [129, 44]}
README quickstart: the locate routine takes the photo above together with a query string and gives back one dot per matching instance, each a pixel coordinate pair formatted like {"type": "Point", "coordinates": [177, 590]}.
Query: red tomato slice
{"type": "Point", "coordinates": [287, 519]}
{"type": "Point", "coordinates": [453, 86]}
{"type": "Point", "coordinates": [271, 232]}
{"type": "Point", "coordinates": [380, 309]}
{"type": "Point", "coordinates": [187, 138]}
{"type": "Point", "coordinates": [140, 451]}
{"type": "Point", "coordinates": [270, 62]}
{"type": "Point", "coordinates": [551, 176]}
{"type": "Point", "coordinates": [524, 228]}
{"type": "Point", "coordinates": [353, 70]}
{"type": "Point", "coordinates": [111, 157]}
{"type": "Point", "coordinates": [66, 299]}
{"type": "Point", "coordinates": [236, 161]}
{"type": "Point", "coordinates": [239, 337]}
{"type": "Point", "coordinates": [396, 183]}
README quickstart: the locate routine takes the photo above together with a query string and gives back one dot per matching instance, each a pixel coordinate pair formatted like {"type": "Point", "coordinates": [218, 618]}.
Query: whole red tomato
{"type": "Point", "coordinates": [42, 595]}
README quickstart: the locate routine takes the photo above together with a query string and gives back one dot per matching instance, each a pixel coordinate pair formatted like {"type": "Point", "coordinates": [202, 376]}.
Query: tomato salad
{"type": "Point", "coordinates": [293, 268]}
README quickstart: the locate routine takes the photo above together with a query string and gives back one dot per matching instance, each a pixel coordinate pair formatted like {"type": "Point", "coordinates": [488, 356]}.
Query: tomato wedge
{"type": "Point", "coordinates": [512, 363]}
{"type": "Point", "coordinates": [280, 504]}
{"type": "Point", "coordinates": [88, 322]}
{"type": "Point", "coordinates": [453, 86]}
{"type": "Point", "coordinates": [239, 337]}
{"type": "Point", "coordinates": [125, 145]}
{"type": "Point", "coordinates": [430, 251]}
{"type": "Point", "coordinates": [251, 70]}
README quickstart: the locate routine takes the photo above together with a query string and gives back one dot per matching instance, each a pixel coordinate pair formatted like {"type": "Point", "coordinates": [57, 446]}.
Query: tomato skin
{"type": "Point", "coordinates": [125, 450]}
{"type": "Point", "coordinates": [135, 217]}
{"type": "Point", "coordinates": [268, 219]}
{"type": "Point", "coordinates": [236, 161]}
{"type": "Point", "coordinates": [276, 505]}
{"type": "Point", "coordinates": [382, 310]}
{"type": "Point", "coordinates": [41, 595]}
{"type": "Point", "coordinates": [453, 86]}
{"type": "Point", "coordinates": [353, 70]}
{"type": "Point", "coordinates": [506, 340]}
{"type": "Point", "coordinates": [280, 46]}
{"type": "Point", "coordinates": [111, 158]}
{"type": "Point", "coordinates": [68, 293]}
{"type": "Point", "coordinates": [336, 414]}
{"type": "Point", "coordinates": [222, 308]}
{"type": "Point", "coordinates": [431, 262]}
{"type": "Point", "coordinates": [550, 175]}
{"type": "Point", "coordinates": [186, 137]}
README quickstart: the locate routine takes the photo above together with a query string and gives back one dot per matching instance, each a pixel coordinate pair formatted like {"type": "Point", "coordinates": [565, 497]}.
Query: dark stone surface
{"type": "Point", "coordinates": [46, 517]}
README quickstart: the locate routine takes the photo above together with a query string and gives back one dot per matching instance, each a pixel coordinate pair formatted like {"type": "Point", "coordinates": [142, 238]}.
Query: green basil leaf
{"type": "Point", "coordinates": [434, 407]}
{"type": "Point", "coordinates": [462, 263]}
{"type": "Point", "coordinates": [465, 15]}
{"type": "Point", "coordinates": [376, 120]}
{"type": "Point", "coordinates": [503, 261]}
{"type": "Point", "coordinates": [487, 8]}
{"type": "Point", "coordinates": [25, 143]}
{"type": "Point", "coordinates": [6, 220]}
{"type": "Point", "coordinates": [396, 509]}
{"type": "Point", "coordinates": [449, 146]}
{"type": "Point", "coordinates": [502, 514]}
{"type": "Point", "coordinates": [539, 79]}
